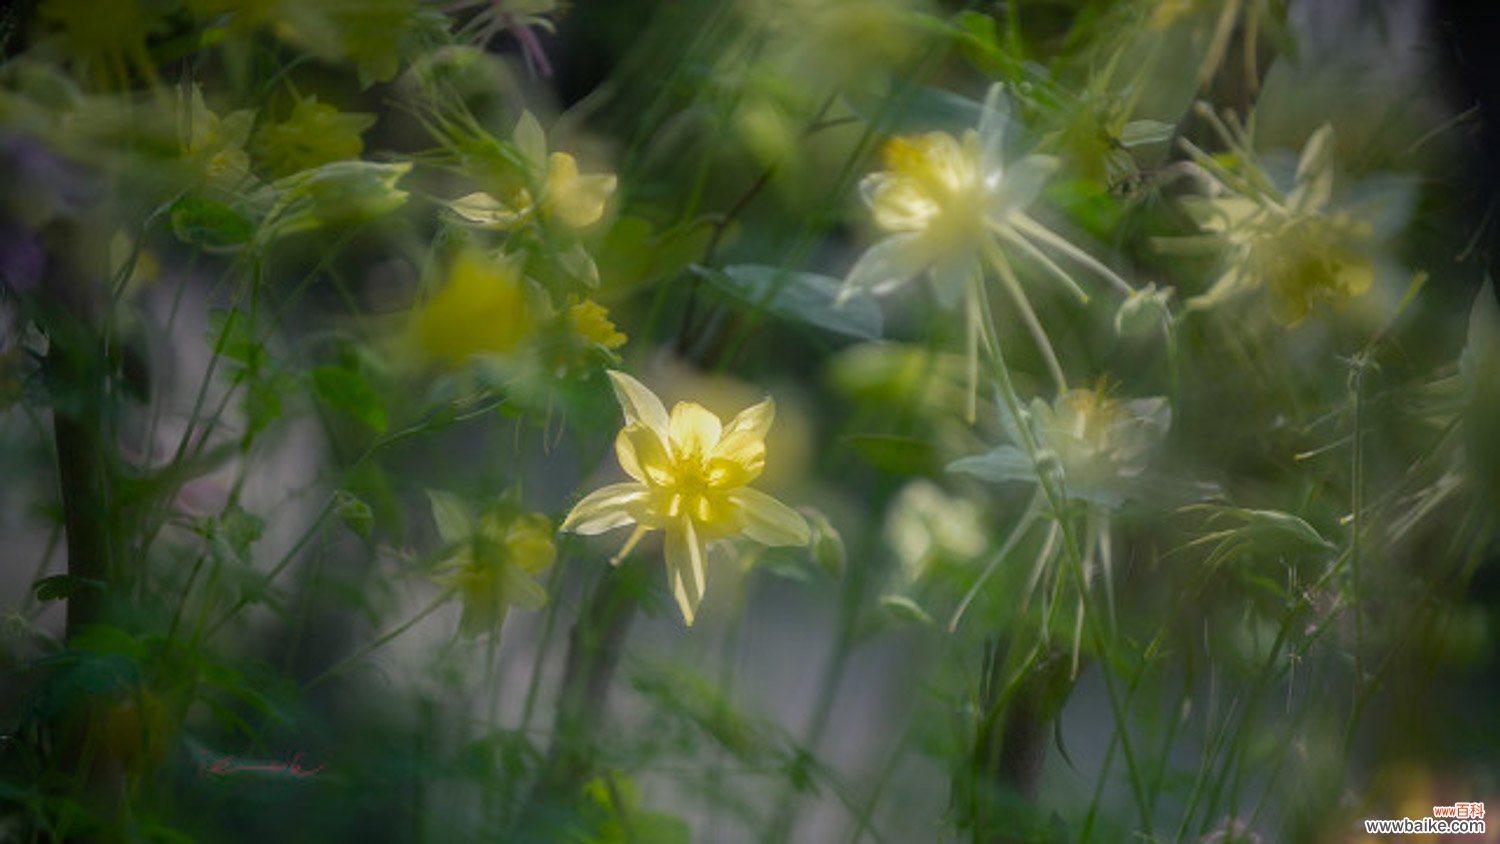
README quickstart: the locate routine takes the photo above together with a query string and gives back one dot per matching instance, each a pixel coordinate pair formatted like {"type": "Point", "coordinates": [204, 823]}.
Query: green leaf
{"type": "Point", "coordinates": [799, 297]}
{"type": "Point", "coordinates": [905, 609]}
{"type": "Point", "coordinates": [61, 586]}
{"type": "Point", "coordinates": [1004, 463]}
{"type": "Point", "coordinates": [210, 224]}
{"type": "Point", "coordinates": [345, 389]}
{"type": "Point", "coordinates": [454, 524]}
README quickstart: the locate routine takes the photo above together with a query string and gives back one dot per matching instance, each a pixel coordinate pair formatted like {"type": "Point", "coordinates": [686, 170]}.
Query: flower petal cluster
{"type": "Point", "coordinates": [1099, 445]}
{"type": "Point", "coordinates": [1295, 246]}
{"type": "Point", "coordinates": [943, 201]}
{"type": "Point", "coordinates": [566, 196]}
{"type": "Point", "coordinates": [494, 560]}
{"type": "Point", "coordinates": [690, 479]}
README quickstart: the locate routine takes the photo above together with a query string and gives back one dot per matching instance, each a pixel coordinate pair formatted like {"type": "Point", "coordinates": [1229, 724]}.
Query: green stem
{"type": "Point", "coordinates": [594, 650]}
{"type": "Point", "coordinates": [379, 642]}
{"type": "Point", "coordinates": [1057, 501]}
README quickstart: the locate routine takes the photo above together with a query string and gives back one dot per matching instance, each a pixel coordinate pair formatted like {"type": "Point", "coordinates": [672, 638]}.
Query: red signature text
{"type": "Point", "coordinates": [225, 766]}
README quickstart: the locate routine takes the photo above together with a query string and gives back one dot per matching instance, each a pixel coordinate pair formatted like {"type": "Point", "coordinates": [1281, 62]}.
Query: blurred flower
{"type": "Point", "coordinates": [370, 34]}
{"type": "Point", "coordinates": [948, 205]}
{"type": "Point", "coordinates": [1293, 244]}
{"type": "Point", "coordinates": [926, 523]}
{"type": "Point", "coordinates": [493, 560]}
{"type": "Point", "coordinates": [481, 308]}
{"type": "Point", "coordinates": [1099, 445]}
{"type": "Point", "coordinates": [835, 43]}
{"type": "Point", "coordinates": [314, 133]}
{"type": "Point", "coordinates": [590, 321]}
{"type": "Point", "coordinates": [691, 480]}
{"type": "Point", "coordinates": [106, 41]}
{"type": "Point", "coordinates": [573, 199]}
{"type": "Point", "coordinates": [338, 193]}
{"type": "Point", "coordinates": [214, 146]}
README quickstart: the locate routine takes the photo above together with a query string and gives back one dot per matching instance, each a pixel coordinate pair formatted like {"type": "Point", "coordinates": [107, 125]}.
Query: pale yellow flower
{"type": "Point", "coordinates": [482, 308]}
{"type": "Point", "coordinates": [952, 208]}
{"type": "Point", "coordinates": [1294, 246]}
{"type": "Point", "coordinates": [691, 480]}
{"type": "Point", "coordinates": [493, 562]}
{"type": "Point", "coordinates": [575, 199]}
{"type": "Point", "coordinates": [214, 145]}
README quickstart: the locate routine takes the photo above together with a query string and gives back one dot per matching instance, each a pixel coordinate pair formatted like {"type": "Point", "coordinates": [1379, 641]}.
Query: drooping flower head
{"type": "Point", "coordinates": [690, 479]}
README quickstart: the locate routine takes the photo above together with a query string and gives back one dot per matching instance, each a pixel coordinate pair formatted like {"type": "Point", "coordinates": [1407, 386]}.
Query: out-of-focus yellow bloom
{"type": "Point", "coordinates": [369, 34]}
{"type": "Point", "coordinates": [691, 480]}
{"type": "Point", "coordinates": [493, 561]}
{"type": "Point", "coordinates": [482, 308]}
{"type": "Point", "coordinates": [107, 40]}
{"type": "Point", "coordinates": [1292, 246]}
{"type": "Point", "coordinates": [574, 199]}
{"type": "Point", "coordinates": [214, 145]}
{"type": "Point", "coordinates": [590, 321]}
{"type": "Point", "coordinates": [314, 133]}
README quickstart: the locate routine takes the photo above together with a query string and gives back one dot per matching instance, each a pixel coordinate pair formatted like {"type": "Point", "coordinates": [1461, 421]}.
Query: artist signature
{"type": "Point", "coordinates": [225, 766]}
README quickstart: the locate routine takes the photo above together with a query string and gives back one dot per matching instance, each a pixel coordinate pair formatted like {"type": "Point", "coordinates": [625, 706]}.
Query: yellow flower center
{"type": "Point", "coordinates": [1307, 261]}
{"type": "Point", "coordinates": [932, 184]}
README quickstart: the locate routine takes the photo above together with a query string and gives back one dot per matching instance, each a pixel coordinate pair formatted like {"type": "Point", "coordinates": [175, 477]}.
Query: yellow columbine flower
{"type": "Point", "coordinates": [494, 561]}
{"type": "Point", "coordinates": [590, 321]}
{"type": "Point", "coordinates": [482, 308]}
{"type": "Point", "coordinates": [952, 207]}
{"type": "Point", "coordinates": [574, 199]}
{"type": "Point", "coordinates": [1293, 246]}
{"type": "Point", "coordinates": [691, 474]}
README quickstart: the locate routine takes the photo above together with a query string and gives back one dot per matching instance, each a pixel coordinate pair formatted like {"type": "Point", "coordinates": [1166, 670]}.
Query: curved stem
{"type": "Point", "coordinates": [379, 642]}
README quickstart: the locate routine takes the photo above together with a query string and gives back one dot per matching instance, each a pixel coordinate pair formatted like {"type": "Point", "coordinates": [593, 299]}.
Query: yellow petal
{"type": "Point", "coordinates": [642, 454]}
{"type": "Point", "coordinates": [768, 521]}
{"type": "Point", "coordinates": [607, 508]}
{"type": "Point", "coordinates": [576, 200]}
{"type": "Point", "coordinates": [741, 453]}
{"type": "Point", "coordinates": [693, 429]}
{"type": "Point", "coordinates": [685, 554]}
{"type": "Point", "coordinates": [639, 404]}
{"type": "Point", "coordinates": [755, 420]}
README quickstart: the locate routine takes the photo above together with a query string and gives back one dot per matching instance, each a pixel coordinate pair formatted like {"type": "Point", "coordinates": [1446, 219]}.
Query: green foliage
{"type": "Point", "coordinates": [778, 420]}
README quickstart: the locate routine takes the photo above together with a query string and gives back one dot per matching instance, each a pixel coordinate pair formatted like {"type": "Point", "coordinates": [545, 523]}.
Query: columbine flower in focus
{"type": "Point", "coordinates": [951, 206]}
{"type": "Point", "coordinates": [564, 195]}
{"type": "Point", "coordinates": [1292, 245]}
{"type": "Point", "coordinates": [493, 561]}
{"type": "Point", "coordinates": [691, 480]}
{"type": "Point", "coordinates": [482, 308]}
